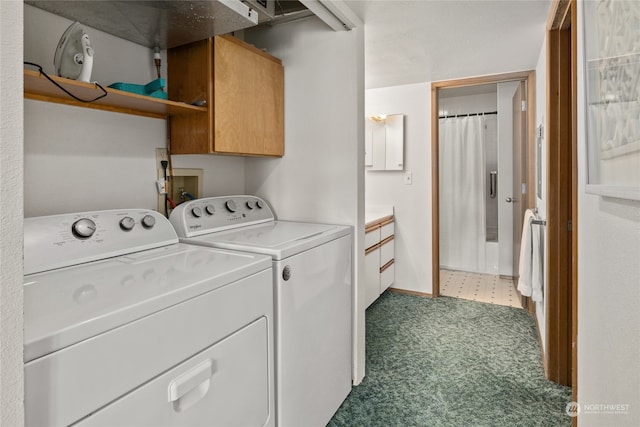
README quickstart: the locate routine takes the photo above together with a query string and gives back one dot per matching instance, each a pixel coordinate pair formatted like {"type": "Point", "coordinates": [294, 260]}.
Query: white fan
{"type": "Point", "coordinates": [74, 54]}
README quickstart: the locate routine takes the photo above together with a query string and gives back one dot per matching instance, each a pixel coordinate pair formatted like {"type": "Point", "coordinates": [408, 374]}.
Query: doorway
{"type": "Point", "coordinates": [528, 77]}
{"type": "Point", "coordinates": [479, 133]}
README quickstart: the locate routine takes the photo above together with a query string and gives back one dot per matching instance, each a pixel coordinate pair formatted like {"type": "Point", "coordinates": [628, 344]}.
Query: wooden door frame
{"type": "Point", "coordinates": [562, 179]}
{"type": "Point", "coordinates": [529, 77]}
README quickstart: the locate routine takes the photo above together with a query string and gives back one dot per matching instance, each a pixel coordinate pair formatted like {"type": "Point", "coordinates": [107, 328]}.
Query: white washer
{"type": "Point", "coordinates": [312, 279]}
{"type": "Point", "coordinates": [125, 326]}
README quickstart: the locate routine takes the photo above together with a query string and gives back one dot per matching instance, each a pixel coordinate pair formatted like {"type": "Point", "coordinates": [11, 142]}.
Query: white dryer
{"type": "Point", "coordinates": [125, 326]}
{"type": "Point", "coordinates": [312, 276]}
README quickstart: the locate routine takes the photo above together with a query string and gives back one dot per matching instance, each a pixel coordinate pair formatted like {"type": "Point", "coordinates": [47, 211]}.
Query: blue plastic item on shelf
{"type": "Point", "coordinates": [153, 88]}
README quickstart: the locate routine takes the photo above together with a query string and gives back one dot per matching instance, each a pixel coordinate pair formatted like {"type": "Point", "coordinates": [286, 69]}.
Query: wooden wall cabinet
{"type": "Point", "coordinates": [379, 266]}
{"type": "Point", "coordinates": [244, 90]}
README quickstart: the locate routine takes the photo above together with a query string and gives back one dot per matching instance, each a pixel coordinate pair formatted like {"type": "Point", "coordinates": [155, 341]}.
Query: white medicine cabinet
{"type": "Point", "coordinates": [384, 142]}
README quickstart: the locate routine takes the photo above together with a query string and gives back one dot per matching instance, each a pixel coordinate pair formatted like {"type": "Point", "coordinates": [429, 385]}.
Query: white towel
{"type": "Point", "coordinates": [536, 264]}
{"type": "Point", "coordinates": [525, 265]}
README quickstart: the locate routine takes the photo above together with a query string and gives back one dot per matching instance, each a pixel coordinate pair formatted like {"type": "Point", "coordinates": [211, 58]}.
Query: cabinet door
{"type": "Point", "coordinates": [248, 99]}
{"type": "Point", "coordinates": [372, 276]}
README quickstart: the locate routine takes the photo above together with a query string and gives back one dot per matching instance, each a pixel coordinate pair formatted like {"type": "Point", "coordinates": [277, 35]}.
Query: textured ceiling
{"type": "Point", "coordinates": [430, 40]}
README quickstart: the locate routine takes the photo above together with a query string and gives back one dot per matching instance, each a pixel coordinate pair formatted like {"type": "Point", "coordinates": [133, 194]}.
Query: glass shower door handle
{"type": "Point", "coordinates": [493, 184]}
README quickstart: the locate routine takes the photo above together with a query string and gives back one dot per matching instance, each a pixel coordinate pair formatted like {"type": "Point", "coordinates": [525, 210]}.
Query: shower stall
{"type": "Point", "coordinates": [469, 179]}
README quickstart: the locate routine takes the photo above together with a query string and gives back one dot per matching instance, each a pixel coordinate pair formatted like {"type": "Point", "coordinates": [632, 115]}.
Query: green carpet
{"type": "Point", "coordinates": [450, 362]}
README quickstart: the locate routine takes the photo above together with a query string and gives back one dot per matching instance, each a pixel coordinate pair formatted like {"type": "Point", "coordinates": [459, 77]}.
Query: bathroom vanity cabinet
{"type": "Point", "coordinates": [379, 257]}
{"type": "Point", "coordinates": [243, 88]}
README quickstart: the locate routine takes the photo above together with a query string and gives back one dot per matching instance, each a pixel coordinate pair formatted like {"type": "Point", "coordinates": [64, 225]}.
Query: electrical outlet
{"type": "Point", "coordinates": [161, 154]}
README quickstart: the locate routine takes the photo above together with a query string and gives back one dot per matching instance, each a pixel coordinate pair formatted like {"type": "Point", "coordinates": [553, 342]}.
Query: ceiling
{"type": "Point", "coordinates": [432, 40]}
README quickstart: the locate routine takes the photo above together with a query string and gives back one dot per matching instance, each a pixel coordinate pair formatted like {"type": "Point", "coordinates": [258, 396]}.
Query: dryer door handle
{"type": "Point", "coordinates": [191, 386]}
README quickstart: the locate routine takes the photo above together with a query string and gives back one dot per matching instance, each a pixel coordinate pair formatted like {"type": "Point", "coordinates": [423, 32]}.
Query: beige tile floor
{"type": "Point", "coordinates": [479, 287]}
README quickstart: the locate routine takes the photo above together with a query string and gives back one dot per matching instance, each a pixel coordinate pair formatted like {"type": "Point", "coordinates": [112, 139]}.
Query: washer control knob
{"type": "Point", "coordinates": [83, 228]}
{"type": "Point", "coordinates": [196, 211]}
{"type": "Point", "coordinates": [251, 204]}
{"type": "Point", "coordinates": [210, 209]}
{"type": "Point", "coordinates": [259, 204]}
{"type": "Point", "coordinates": [127, 223]}
{"type": "Point", "coordinates": [148, 221]}
{"type": "Point", "coordinates": [231, 206]}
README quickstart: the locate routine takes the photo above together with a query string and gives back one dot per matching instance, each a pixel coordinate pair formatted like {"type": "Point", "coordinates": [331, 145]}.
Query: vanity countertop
{"type": "Point", "coordinates": [376, 214]}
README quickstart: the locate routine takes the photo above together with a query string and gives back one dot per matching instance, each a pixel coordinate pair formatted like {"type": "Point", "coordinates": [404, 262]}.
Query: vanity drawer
{"type": "Point", "coordinates": [387, 250]}
{"type": "Point", "coordinates": [372, 238]}
{"type": "Point", "coordinates": [387, 230]}
{"type": "Point", "coordinates": [387, 276]}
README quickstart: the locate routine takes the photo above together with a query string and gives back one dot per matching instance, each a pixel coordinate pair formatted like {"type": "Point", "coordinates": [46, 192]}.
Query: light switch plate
{"type": "Point", "coordinates": [408, 178]}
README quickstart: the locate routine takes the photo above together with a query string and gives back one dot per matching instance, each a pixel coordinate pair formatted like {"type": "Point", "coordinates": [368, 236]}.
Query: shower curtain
{"type": "Point", "coordinates": [462, 193]}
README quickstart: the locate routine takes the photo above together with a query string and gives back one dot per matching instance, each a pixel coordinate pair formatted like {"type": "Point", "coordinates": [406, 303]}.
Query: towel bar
{"type": "Point", "coordinates": [539, 221]}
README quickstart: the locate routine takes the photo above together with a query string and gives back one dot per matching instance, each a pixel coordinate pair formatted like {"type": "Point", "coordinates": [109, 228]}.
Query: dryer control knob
{"type": "Point", "coordinates": [231, 206]}
{"type": "Point", "coordinates": [259, 204]}
{"type": "Point", "coordinates": [251, 204]}
{"type": "Point", "coordinates": [210, 209]}
{"type": "Point", "coordinates": [127, 223]}
{"type": "Point", "coordinates": [83, 228]}
{"type": "Point", "coordinates": [197, 212]}
{"type": "Point", "coordinates": [148, 221]}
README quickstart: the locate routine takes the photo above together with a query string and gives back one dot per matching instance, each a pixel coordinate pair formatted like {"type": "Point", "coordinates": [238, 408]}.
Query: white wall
{"type": "Point", "coordinates": [82, 159]}
{"type": "Point", "coordinates": [79, 159]}
{"type": "Point", "coordinates": [320, 178]}
{"type": "Point", "coordinates": [466, 104]}
{"type": "Point", "coordinates": [316, 178]}
{"type": "Point", "coordinates": [608, 292]}
{"type": "Point", "coordinates": [412, 202]}
{"type": "Point", "coordinates": [11, 374]}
